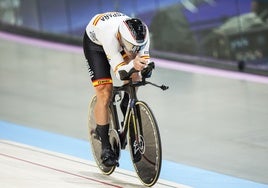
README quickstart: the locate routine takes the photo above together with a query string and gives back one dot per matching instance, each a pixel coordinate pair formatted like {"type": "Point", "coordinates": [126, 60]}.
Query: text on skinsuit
{"type": "Point", "coordinates": [109, 15]}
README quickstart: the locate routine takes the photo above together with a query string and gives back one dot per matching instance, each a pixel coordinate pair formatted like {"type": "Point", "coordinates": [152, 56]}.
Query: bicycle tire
{"type": "Point", "coordinates": [95, 141]}
{"type": "Point", "coordinates": [146, 155]}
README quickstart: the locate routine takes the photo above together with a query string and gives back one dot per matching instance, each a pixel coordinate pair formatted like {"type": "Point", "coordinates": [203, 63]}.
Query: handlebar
{"type": "Point", "coordinates": [163, 87]}
{"type": "Point", "coordinates": [124, 75]}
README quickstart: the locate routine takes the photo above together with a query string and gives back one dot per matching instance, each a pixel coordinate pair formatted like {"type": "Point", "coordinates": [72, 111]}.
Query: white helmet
{"type": "Point", "coordinates": [133, 34]}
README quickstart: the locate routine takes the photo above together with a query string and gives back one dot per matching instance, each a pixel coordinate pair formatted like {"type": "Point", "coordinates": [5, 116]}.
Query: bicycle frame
{"type": "Point", "coordinates": [129, 88]}
{"type": "Point", "coordinates": [122, 128]}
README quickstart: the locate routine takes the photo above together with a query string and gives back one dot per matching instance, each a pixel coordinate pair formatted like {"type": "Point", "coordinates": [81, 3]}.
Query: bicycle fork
{"type": "Point", "coordinates": [138, 144]}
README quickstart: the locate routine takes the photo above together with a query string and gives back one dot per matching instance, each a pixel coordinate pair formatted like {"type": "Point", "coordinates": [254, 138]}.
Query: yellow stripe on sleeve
{"type": "Point", "coordinates": [145, 56]}
{"type": "Point", "coordinates": [97, 19]}
{"type": "Point", "coordinates": [119, 65]}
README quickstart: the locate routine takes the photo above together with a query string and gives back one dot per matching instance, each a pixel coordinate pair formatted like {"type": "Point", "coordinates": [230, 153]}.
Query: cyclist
{"type": "Point", "coordinates": [113, 40]}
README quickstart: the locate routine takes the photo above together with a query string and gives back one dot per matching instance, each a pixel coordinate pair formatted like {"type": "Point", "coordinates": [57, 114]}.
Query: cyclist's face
{"type": "Point", "coordinates": [129, 49]}
{"type": "Point", "coordinates": [131, 55]}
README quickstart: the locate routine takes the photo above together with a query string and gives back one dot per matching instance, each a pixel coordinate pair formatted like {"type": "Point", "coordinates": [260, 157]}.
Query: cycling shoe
{"type": "Point", "coordinates": [108, 157]}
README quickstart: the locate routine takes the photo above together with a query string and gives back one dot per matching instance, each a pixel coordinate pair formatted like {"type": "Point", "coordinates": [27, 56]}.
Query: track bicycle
{"type": "Point", "coordinates": [138, 129]}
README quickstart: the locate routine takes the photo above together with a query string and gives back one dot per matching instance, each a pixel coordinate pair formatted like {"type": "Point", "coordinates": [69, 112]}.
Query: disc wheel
{"type": "Point", "coordinates": [95, 140]}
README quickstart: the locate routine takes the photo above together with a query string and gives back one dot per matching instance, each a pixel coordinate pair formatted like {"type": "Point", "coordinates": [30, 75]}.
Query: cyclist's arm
{"type": "Point", "coordinates": [112, 49]}
{"type": "Point", "coordinates": [139, 63]}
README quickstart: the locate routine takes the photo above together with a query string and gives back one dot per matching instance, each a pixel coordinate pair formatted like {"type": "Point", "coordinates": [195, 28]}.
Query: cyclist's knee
{"type": "Point", "coordinates": [103, 93]}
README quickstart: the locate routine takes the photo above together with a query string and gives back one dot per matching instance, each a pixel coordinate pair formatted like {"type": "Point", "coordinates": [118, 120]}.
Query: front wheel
{"type": "Point", "coordinates": [145, 144]}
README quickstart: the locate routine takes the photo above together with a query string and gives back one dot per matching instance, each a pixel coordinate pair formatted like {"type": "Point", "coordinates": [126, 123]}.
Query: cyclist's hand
{"type": "Point", "coordinates": [139, 63]}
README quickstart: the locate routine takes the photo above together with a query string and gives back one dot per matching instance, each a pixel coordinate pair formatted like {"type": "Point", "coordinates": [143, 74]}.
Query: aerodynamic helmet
{"type": "Point", "coordinates": [133, 34]}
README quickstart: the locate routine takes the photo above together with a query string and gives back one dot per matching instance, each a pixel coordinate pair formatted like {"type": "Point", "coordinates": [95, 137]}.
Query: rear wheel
{"type": "Point", "coordinates": [145, 145]}
{"type": "Point", "coordinates": [95, 140]}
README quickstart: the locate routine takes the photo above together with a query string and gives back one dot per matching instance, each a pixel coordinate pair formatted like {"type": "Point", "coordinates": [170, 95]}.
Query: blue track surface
{"type": "Point", "coordinates": [171, 171]}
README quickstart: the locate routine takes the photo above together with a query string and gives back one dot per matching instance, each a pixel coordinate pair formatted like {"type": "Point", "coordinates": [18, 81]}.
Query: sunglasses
{"type": "Point", "coordinates": [131, 47]}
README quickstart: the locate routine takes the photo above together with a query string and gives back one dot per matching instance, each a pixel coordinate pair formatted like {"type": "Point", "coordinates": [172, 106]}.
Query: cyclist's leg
{"type": "Point", "coordinates": [124, 102]}
{"type": "Point", "coordinates": [99, 70]}
{"type": "Point", "coordinates": [103, 93]}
